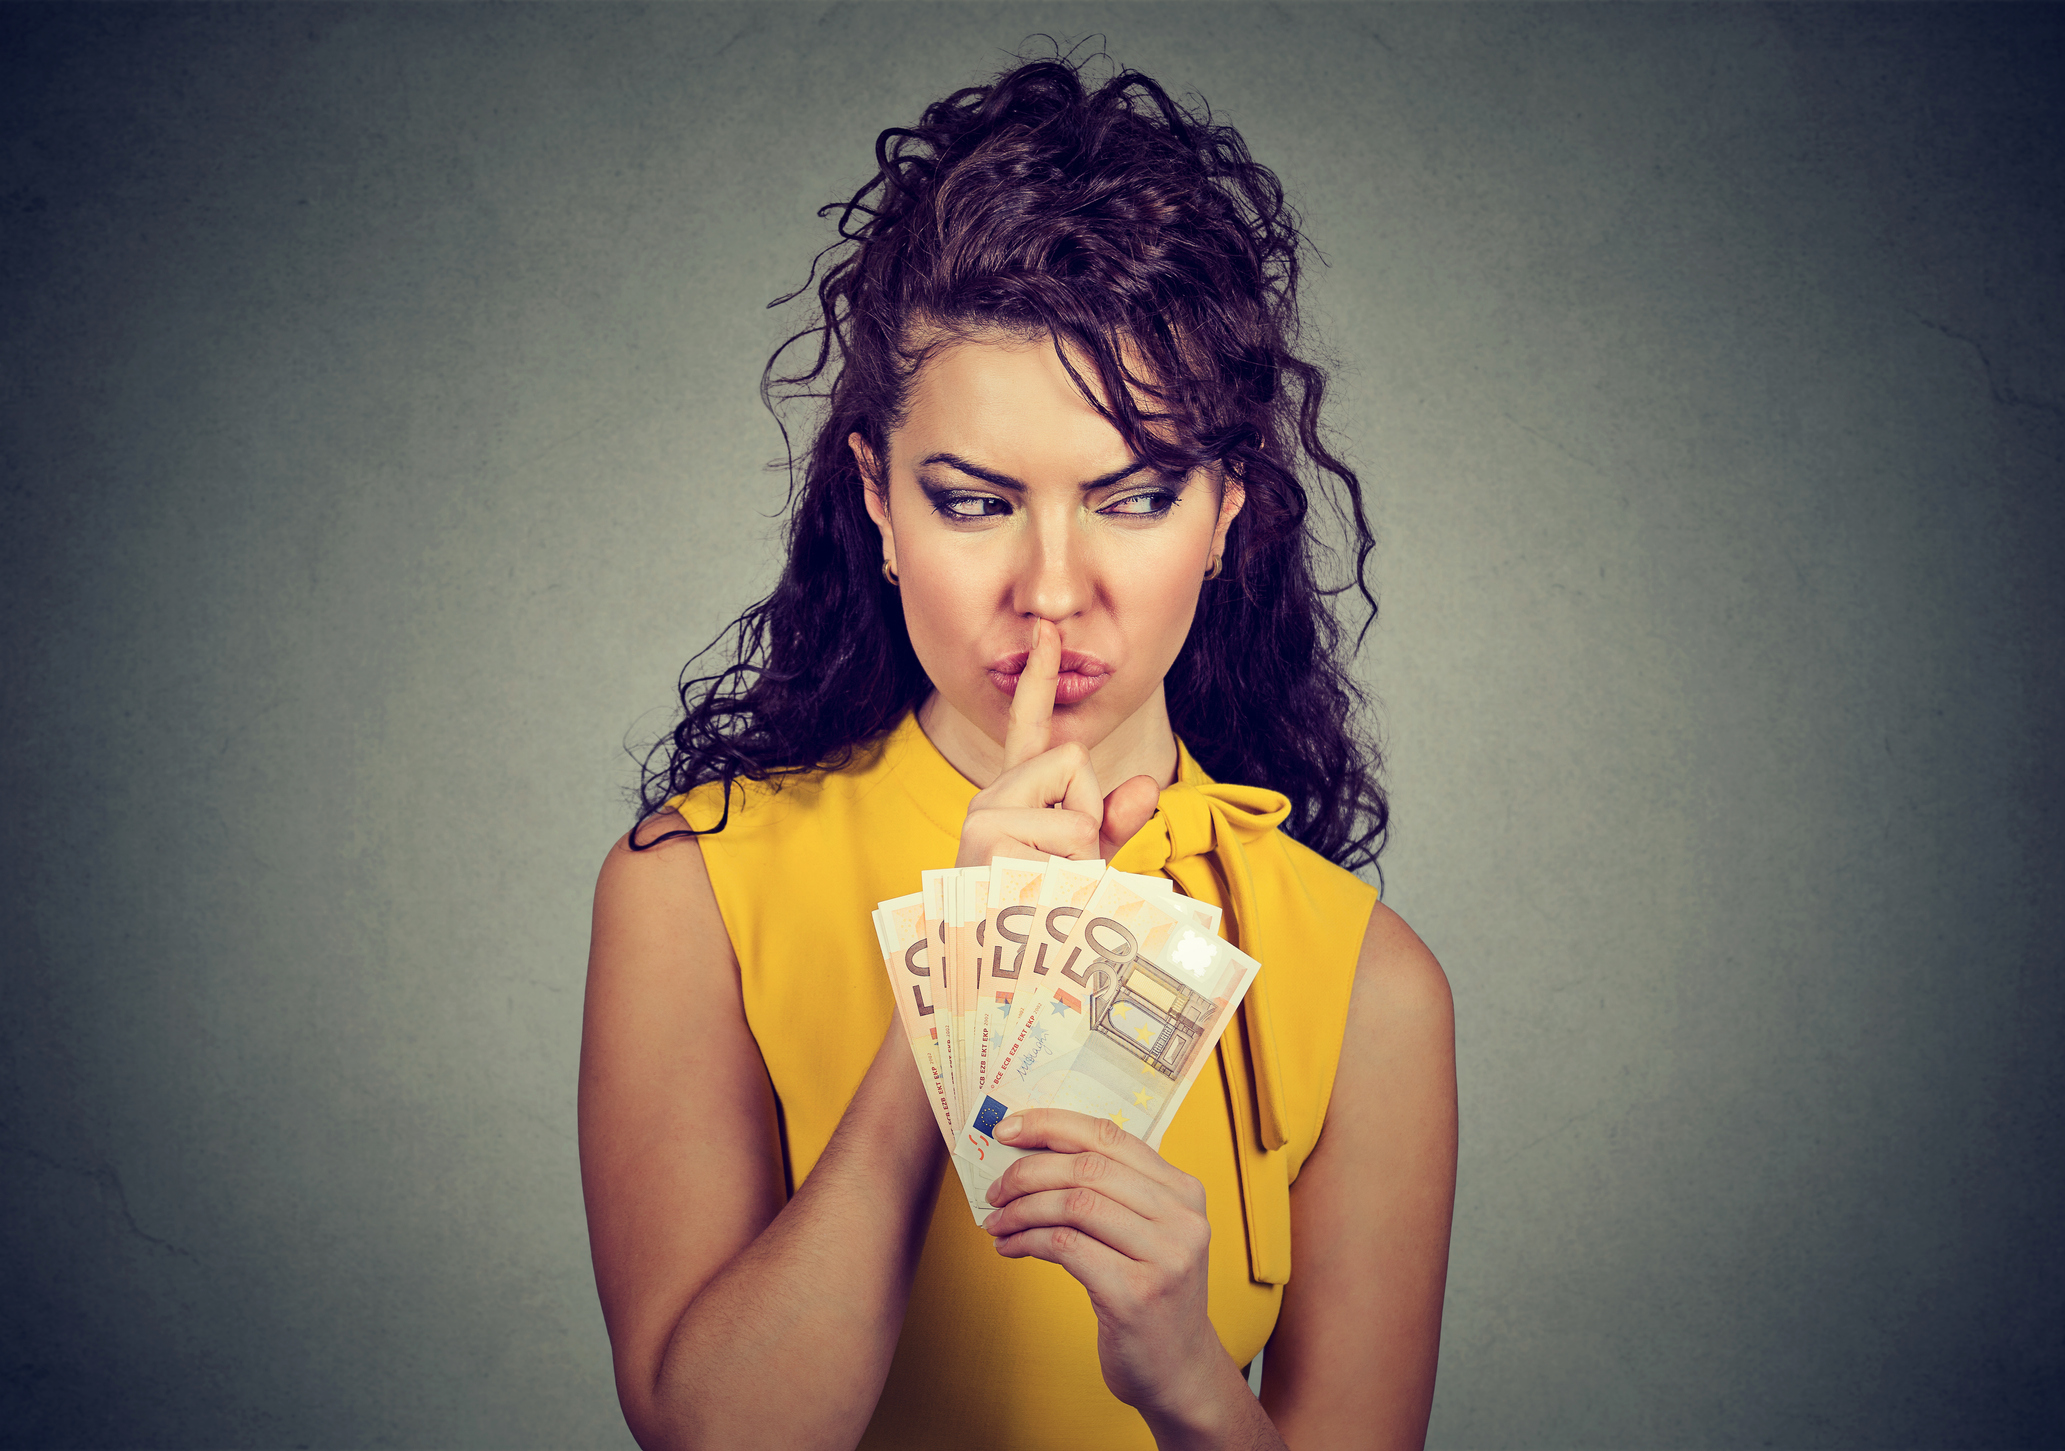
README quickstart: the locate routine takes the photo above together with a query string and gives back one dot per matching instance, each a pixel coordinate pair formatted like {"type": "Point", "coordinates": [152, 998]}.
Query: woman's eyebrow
{"type": "Point", "coordinates": [1005, 481]}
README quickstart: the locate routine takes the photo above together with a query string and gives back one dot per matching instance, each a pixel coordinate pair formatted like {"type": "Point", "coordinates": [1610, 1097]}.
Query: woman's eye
{"type": "Point", "coordinates": [971, 506]}
{"type": "Point", "coordinates": [1141, 506]}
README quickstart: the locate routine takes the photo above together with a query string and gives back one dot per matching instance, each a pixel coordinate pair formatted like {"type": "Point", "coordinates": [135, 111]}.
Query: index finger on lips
{"type": "Point", "coordinates": [1032, 704]}
{"type": "Point", "coordinates": [1070, 1132]}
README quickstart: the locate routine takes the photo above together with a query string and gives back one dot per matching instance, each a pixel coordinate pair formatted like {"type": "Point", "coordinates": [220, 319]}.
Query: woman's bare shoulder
{"type": "Point", "coordinates": [659, 889]}
{"type": "Point", "coordinates": [1397, 972]}
{"type": "Point", "coordinates": [662, 976]}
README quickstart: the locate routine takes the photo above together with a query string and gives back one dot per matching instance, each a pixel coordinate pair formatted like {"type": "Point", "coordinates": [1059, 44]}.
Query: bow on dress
{"type": "Point", "coordinates": [1198, 838]}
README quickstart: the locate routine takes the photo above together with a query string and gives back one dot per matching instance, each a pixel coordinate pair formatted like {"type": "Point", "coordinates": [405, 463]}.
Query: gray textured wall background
{"type": "Point", "coordinates": [380, 437]}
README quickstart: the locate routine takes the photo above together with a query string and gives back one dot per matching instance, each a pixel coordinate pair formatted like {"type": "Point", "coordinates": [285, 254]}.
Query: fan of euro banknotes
{"type": "Point", "coordinates": [1063, 984]}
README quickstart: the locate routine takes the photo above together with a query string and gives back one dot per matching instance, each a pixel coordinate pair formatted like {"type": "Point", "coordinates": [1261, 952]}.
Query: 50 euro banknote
{"type": "Point", "coordinates": [1120, 1026]}
{"type": "Point", "coordinates": [908, 949]}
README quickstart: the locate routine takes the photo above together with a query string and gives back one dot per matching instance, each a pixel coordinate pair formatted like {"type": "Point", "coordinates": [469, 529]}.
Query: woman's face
{"type": "Point", "coordinates": [1010, 499]}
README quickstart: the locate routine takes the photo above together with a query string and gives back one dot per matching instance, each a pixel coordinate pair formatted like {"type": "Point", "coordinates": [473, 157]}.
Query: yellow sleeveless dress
{"type": "Point", "coordinates": [1003, 1353]}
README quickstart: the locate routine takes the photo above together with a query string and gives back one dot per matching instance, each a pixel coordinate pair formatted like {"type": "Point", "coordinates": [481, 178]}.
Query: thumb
{"type": "Point", "coordinates": [1126, 810]}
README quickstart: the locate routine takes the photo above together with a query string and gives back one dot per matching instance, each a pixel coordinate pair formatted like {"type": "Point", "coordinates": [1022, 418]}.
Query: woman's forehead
{"type": "Point", "coordinates": [1005, 391]}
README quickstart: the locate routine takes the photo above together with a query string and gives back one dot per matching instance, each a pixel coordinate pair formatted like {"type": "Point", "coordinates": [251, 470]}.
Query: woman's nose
{"type": "Point", "coordinates": [1053, 575]}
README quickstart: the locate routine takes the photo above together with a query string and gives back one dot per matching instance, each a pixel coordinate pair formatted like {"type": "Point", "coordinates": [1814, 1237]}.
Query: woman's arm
{"type": "Point", "coordinates": [734, 1321]}
{"type": "Point", "coordinates": [1352, 1359]}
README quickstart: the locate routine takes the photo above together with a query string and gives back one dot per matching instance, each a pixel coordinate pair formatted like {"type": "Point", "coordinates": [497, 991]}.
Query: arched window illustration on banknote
{"type": "Point", "coordinates": [1134, 1003]}
{"type": "Point", "coordinates": [1152, 1016]}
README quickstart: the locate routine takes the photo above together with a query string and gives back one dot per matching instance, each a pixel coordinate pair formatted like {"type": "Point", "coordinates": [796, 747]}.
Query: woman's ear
{"type": "Point", "coordinates": [1232, 496]}
{"type": "Point", "coordinates": [874, 488]}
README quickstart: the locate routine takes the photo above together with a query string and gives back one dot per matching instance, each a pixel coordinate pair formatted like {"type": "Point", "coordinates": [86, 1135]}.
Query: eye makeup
{"type": "Point", "coordinates": [960, 505]}
{"type": "Point", "coordinates": [967, 505]}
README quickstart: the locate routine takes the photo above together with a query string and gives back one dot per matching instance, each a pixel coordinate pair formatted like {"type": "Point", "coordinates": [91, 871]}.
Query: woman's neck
{"type": "Point", "coordinates": [1143, 744]}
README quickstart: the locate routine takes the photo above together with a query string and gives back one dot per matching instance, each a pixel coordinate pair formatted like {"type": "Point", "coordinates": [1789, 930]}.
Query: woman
{"type": "Point", "coordinates": [1051, 535]}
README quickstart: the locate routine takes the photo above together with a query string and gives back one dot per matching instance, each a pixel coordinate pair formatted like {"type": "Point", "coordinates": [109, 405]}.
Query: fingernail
{"type": "Point", "coordinates": [1008, 1129]}
{"type": "Point", "coordinates": [990, 1218]}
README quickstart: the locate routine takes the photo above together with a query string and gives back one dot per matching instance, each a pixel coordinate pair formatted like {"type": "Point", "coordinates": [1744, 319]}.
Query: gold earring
{"type": "Point", "coordinates": [890, 574]}
{"type": "Point", "coordinates": [1212, 571]}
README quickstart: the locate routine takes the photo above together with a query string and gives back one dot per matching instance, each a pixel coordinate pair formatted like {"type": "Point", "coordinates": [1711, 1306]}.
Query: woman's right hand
{"type": "Point", "coordinates": [1046, 801]}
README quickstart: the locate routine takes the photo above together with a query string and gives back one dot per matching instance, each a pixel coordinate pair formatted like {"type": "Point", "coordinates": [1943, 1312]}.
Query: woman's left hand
{"type": "Point", "coordinates": [1131, 1227]}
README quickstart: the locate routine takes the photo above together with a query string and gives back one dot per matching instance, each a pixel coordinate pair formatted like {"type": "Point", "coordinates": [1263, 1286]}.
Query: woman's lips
{"type": "Point", "coordinates": [1081, 677]}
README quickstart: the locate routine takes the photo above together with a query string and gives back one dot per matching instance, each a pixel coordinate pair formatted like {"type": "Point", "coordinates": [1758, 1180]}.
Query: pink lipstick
{"type": "Point", "coordinates": [1082, 675]}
